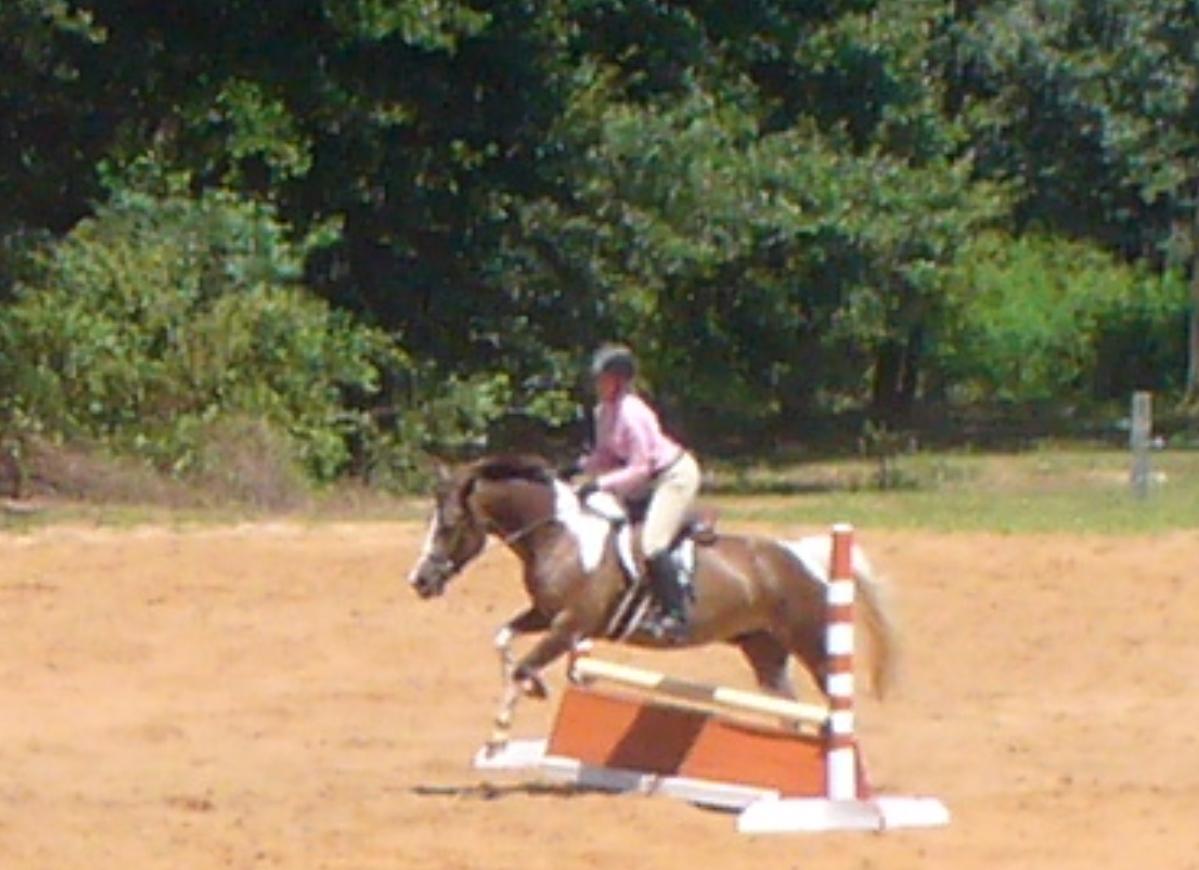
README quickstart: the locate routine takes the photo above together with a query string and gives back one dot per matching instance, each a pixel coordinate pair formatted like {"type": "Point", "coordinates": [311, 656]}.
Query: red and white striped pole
{"type": "Point", "coordinates": [841, 751]}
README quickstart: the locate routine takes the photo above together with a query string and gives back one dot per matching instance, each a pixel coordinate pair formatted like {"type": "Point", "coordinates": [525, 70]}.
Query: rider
{"type": "Point", "coordinates": [632, 458]}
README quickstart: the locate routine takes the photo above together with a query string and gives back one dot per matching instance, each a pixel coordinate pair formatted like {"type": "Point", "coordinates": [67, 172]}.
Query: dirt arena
{"type": "Point", "coordinates": [274, 696]}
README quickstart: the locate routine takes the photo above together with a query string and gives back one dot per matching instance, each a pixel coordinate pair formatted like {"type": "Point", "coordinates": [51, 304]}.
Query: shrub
{"type": "Point", "coordinates": [163, 315]}
{"type": "Point", "coordinates": [246, 460]}
{"type": "Point", "coordinates": [1043, 318]}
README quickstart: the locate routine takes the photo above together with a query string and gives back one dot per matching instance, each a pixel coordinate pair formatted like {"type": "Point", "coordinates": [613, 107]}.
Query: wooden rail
{"type": "Point", "coordinates": [586, 668]}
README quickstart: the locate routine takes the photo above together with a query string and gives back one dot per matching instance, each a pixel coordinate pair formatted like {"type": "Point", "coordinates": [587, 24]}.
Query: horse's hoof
{"type": "Point", "coordinates": [534, 687]}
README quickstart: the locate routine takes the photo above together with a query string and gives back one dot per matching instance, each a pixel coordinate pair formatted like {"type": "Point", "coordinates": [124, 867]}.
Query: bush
{"type": "Point", "coordinates": [163, 315]}
{"type": "Point", "coordinates": [88, 473]}
{"type": "Point", "coordinates": [246, 460]}
{"type": "Point", "coordinates": [1042, 318]}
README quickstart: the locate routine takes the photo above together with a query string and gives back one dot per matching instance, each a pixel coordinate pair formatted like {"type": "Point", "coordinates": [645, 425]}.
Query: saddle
{"type": "Point", "coordinates": [636, 604]}
{"type": "Point", "coordinates": [699, 523]}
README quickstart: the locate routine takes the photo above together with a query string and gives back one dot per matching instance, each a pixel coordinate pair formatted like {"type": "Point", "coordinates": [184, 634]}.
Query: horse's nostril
{"type": "Point", "coordinates": [424, 585]}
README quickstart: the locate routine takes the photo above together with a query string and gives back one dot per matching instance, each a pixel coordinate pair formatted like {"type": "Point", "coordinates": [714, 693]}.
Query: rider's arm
{"type": "Point", "coordinates": [601, 458]}
{"type": "Point", "coordinates": [635, 431]}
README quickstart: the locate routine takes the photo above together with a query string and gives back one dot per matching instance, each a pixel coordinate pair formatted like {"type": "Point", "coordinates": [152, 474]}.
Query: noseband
{"type": "Point", "coordinates": [443, 567]}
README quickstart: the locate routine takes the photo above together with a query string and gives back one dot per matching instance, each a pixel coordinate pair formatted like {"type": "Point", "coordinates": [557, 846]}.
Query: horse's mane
{"type": "Point", "coordinates": [508, 466]}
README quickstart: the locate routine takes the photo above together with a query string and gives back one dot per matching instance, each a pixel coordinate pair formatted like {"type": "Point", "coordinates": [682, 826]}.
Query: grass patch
{"type": "Point", "coordinates": [1054, 488]}
{"type": "Point", "coordinates": [1057, 487]}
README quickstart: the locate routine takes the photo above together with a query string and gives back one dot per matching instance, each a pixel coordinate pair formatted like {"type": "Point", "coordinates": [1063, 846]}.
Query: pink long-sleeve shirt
{"type": "Point", "coordinates": [630, 446]}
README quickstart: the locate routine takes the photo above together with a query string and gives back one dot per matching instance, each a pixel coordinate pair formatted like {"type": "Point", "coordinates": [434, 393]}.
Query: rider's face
{"type": "Point", "coordinates": [607, 385]}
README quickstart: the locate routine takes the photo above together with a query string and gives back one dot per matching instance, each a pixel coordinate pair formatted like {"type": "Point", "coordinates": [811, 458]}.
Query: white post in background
{"type": "Point", "coordinates": [1139, 441]}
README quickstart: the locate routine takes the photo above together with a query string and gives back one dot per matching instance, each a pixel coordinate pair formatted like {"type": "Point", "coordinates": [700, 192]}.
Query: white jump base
{"type": "Point", "coordinates": [760, 811]}
{"type": "Point", "coordinates": [531, 755]}
{"type": "Point", "coordinates": [813, 815]}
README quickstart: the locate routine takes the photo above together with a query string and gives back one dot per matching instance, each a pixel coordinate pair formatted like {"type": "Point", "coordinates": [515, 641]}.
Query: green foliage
{"type": "Point", "coordinates": [1088, 107]}
{"type": "Point", "coordinates": [1039, 318]}
{"type": "Point", "coordinates": [161, 315]}
{"type": "Point", "coordinates": [443, 417]}
{"type": "Point", "coordinates": [768, 198]}
{"type": "Point", "coordinates": [433, 24]}
{"type": "Point", "coordinates": [770, 254]}
{"type": "Point", "coordinates": [47, 101]}
{"type": "Point", "coordinates": [257, 127]}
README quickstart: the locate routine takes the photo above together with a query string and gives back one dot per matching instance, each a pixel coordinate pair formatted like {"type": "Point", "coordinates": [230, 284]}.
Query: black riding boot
{"type": "Point", "coordinates": [664, 583]}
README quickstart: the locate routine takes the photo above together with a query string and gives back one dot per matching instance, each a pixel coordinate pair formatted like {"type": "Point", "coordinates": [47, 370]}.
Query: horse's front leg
{"type": "Point", "coordinates": [525, 622]}
{"type": "Point", "coordinates": [563, 635]}
{"type": "Point", "coordinates": [525, 676]}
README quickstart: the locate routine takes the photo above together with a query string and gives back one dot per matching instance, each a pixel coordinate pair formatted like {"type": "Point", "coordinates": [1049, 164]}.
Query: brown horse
{"type": "Point", "coordinates": [767, 597]}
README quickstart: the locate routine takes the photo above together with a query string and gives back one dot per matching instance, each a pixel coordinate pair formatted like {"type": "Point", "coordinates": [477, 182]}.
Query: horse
{"type": "Point", "coordinates": [764, 596]}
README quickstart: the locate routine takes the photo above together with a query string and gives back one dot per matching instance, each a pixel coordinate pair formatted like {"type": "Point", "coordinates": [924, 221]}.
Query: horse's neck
{"type": "Point", "coordinates": [519, 514]}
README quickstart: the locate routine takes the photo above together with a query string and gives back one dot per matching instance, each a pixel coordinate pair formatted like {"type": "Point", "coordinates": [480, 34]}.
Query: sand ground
{"type": "Point", "coordinates": [273, 695]}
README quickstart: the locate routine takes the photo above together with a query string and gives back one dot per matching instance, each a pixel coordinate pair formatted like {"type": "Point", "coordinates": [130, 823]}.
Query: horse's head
{"type": "Point", "coordinates": [509, 496]}
{"type": "Point", "coordinates": [455, 537]}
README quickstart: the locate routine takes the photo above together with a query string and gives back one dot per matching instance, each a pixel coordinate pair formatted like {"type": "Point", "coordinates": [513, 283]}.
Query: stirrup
{"type": "Point", "coordinates": [671, 627]}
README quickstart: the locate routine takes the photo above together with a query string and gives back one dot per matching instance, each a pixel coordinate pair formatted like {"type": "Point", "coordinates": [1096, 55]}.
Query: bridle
{"type": "Point", "coordinates": [445, 567]}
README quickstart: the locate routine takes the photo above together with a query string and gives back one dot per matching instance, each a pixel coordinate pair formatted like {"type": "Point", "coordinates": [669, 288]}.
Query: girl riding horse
{"type": "Point", "coordinates": [764, 596]}
{"type": "Point", "coordinates": [634, 459]}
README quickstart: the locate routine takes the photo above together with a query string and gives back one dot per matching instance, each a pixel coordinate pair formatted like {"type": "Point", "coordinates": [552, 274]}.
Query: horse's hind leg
{"type": "Point", "coordinates": [769, 659]}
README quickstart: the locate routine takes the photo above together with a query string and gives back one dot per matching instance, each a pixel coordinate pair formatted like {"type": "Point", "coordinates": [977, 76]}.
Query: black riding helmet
{"type": "Point", "coordinates": [616, 359]}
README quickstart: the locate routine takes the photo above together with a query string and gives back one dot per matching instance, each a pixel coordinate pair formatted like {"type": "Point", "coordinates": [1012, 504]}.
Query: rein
{"type": "Point", "coordinates": [520, 534]}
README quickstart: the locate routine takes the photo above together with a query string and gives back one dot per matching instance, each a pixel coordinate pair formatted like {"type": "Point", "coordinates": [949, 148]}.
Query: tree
{"type": "Point", "coordinates": [746, 262]}
{"type": "Point", "coordinates": [53, 137]}
{"type": "Point", "coordinates": [1092, 110]}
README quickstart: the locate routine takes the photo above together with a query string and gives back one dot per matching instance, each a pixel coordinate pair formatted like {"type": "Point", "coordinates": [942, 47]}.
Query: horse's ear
{"type": "Point", "coordinates": [443, 472]}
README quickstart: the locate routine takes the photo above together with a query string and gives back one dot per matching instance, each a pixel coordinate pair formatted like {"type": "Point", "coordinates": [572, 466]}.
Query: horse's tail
{"type": "Point", "coordinates": [874, 608]}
